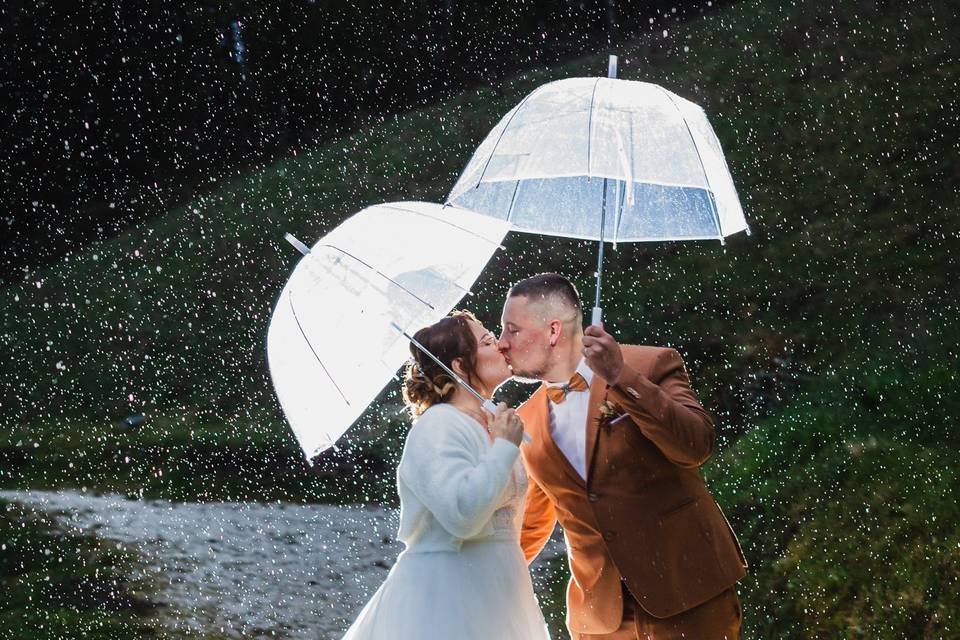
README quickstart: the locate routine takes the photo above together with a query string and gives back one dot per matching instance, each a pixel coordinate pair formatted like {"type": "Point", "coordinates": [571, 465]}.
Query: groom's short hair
{"type": "Point", "coordinates": [551, 287]}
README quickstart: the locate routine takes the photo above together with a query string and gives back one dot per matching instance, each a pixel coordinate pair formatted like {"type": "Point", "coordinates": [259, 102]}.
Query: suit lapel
{"type": "Point", "coordinates": [598, 392]}
{"type": "Point", "coordinates": [551, 449]}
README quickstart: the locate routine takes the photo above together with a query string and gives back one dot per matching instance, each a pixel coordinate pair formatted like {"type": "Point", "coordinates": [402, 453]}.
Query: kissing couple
{"type": "Point", "coordinates": [616, 441]}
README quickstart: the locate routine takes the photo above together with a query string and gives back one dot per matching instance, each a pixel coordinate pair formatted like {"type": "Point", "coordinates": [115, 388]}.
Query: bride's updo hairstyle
{"type": "Point", "coordinates": [425, 383]}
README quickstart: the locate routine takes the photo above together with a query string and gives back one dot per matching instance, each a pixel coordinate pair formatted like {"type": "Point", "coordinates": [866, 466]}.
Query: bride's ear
{"type": "Point", "coordinates": [457, 365]}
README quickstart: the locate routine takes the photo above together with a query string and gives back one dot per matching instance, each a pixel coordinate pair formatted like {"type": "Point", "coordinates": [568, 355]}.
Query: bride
{"type": "Point", "coordinates": [461, 484]}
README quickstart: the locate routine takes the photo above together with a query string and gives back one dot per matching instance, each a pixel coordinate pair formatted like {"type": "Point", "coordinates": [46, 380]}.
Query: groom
{"type": "Point", "coordinates": [650, 552]}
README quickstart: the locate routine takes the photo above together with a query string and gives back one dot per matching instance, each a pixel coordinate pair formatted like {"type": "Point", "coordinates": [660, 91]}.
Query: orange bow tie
{"type": "Point", "coordinates": [559, 394]}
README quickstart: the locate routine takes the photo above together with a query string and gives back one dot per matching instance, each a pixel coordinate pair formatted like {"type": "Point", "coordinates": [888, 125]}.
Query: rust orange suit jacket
{"type": "Point", "coordinates": [643, 514]}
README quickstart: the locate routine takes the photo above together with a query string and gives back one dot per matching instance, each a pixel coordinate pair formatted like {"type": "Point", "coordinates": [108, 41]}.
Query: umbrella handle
{"type": "Point", "coordinates": [597, 316]}
{"type": "Point", "coordinates": [492, 408]}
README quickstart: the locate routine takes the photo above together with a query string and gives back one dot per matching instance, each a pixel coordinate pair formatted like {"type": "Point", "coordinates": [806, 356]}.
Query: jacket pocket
{"type": "Point", "coordinates": [686, 503]}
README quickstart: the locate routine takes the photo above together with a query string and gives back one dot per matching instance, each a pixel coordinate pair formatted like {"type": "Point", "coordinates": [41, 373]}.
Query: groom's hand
{"type": "Point", "coordinates": [602, 353]}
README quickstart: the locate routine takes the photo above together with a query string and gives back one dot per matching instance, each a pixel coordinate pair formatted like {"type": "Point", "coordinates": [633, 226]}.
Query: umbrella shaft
{"type": "Point", "coordinates": [603, 224]}
{"type": "Point", "coordinates": [447, 369]}
{"type": "Point", "coordinates": [596, 301]}
{"type": "Point", "coordinates": [486, 402]}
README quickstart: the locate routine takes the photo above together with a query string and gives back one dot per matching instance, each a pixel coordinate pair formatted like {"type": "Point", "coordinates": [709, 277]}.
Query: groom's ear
{"type": "Point", "coordinates": [556, 330]}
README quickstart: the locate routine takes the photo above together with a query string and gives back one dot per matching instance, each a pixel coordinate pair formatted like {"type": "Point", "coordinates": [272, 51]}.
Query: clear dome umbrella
{"type": "Point", "coordinates": [341, 326]}
{"type": "Point", "coordinates": [604, 159]}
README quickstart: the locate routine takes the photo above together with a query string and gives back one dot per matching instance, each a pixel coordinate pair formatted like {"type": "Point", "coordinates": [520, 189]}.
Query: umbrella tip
{"type": "Point", "coordinates": [299, 246]}
{"type": "Point", "coordinates": [612, 67]}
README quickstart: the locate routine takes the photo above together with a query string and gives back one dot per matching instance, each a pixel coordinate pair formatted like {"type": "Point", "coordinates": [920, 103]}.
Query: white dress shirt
{"type": "Point", "coordinates": [568, 421]}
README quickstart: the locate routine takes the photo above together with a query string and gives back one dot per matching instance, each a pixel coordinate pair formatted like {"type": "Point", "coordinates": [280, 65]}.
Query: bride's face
{"type": "Point", "coordinates": [492, 367]}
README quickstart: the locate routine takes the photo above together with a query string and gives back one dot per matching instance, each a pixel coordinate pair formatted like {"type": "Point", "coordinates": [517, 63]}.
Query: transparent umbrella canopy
{"type": "Point", "coordinates": [604, 159]}
{"type": "Point", "coordinates": [341, 325]}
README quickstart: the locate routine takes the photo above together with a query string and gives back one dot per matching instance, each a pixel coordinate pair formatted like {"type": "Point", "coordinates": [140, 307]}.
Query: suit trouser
{"type": "Point", "coordinates": [715, 619]}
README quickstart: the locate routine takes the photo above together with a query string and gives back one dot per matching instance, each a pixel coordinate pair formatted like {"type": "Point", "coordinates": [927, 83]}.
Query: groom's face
{"type": "Point", "coordinates": [524, 339]}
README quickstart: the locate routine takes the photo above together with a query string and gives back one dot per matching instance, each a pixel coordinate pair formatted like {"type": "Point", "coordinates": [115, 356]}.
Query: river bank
{"type": "Point", "coordinates": [242, 570]}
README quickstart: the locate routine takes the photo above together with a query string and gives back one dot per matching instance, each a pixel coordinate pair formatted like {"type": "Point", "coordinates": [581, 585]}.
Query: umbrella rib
{"type": "Point", "coordinates": [632, 147]}
{"type": "Point", "coordinates": [565, 174]}
{"type": "Point", "coordinates": [382, 274]}
{"type": "Point", "coordinates": [312, 350]}
{"type": "Point", "coordinates": [447, 222]}
{"type": "Point", "coordinates": [622, 192]}
{"type": "Point", "coordinates": [590, 125]}
{"type": "Point", "coordinates": [513, 200]}
{"type": "Point", "coordinates": [505, 127]}
{"type": "Point", "coordinates": [713, 206]}
{"type": "Point", "coordinates": [575, 236]}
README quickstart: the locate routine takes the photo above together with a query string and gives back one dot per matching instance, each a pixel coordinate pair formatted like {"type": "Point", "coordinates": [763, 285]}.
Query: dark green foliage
{"type": "Point", "coordinates": [846, 508]}
{"type": "Point", "coordinates": [118, 111]}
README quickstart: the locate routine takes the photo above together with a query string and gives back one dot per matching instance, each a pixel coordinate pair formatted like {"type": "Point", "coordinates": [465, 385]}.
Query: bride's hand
{"type": "Point", "coordinates": [506, 424]}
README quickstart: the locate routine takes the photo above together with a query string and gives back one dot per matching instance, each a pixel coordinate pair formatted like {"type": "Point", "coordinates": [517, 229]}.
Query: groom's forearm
{"type": "Point", "coordinates": [667, 410]}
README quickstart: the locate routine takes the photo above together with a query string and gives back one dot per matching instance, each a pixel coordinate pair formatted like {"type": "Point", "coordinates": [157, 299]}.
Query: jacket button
{"type": "Point", "coordinates": [609, 535]}
{"type": "Point", "coordinates": [592, 497]}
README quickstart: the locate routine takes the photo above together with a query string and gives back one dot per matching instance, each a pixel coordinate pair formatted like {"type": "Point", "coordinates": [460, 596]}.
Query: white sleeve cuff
{"type": "Point", "coordinates": [504, 452]}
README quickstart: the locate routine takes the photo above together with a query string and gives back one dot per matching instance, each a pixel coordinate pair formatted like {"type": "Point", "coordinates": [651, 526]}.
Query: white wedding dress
{"type": "Point", "coordinates": [462, 575]}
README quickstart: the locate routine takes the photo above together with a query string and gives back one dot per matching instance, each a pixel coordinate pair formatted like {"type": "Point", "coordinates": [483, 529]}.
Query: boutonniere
{"type": "Point", "coordinates": [610, 413]}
